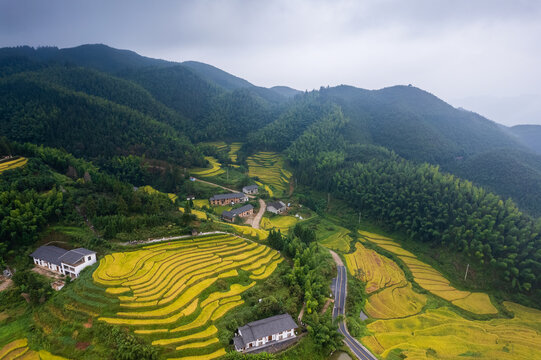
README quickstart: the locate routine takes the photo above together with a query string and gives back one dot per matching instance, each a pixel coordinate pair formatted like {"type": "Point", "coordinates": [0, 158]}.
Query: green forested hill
{"type": "Point", "coordinates": [41, 113]}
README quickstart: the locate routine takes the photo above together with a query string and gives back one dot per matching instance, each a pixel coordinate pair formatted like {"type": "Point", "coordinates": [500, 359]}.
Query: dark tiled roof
{"type": "Point", "coordinates": [276, 204]}
{"type": "Point", "coordinates": [231, 214]}
{"type": "Point", "coordinates": [237, 340]}
{"type": "Point", "coordinates": [72, 256]}
{"type": "Point", "coordinates": [84, 251]}
{"type": "Point", "coordinates": [228, 196]}
{"type": "Point", "coordinates": [50, 254]}
{"type": "Point", "coordinates": [228, 214]}
{"type": "Point", "coordinates": [242, 209]}
{"type": "Point", "coordinates": [250, 187]}
{"type": "Point", "coordinates": [266, 327]}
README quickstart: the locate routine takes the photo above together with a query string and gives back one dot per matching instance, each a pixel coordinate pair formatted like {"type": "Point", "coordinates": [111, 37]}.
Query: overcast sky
{"type": "Point", "coordinates": [481, 54]}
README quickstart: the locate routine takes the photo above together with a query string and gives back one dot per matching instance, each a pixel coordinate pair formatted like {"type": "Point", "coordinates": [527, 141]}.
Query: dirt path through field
{"type": "Point", "coordinates": [259, 216]}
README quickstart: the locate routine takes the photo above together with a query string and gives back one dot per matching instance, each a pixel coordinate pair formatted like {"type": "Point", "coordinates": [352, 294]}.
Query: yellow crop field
{"type": "Point", "coordinates": [12, 346]}
{"type": "Point", "coordinates": [201, 215]}
{"type": "Point", "coordinates": [19, 350]}
{"type": "Point", "coordinates": [233, 149]}
{"type": "Point", "coordinates": [260, 234]}
{"type": "Point", "coordinates": [223, 309]}
{"type": "Point", "coordinates": [45, 355]}
{"type": "Point", "coordinates": [211, 330]}
{"type": "Point", "coordinates": [199, 203]}
{"type": "Point", "coordinates": [199, 344]}
{"type": "Point", "coordinates": [449, 335]}
{"type": "Point", "coordinates": [234, 289]}
{"type": "Point", "coordinates": [395, 302]}
{"type": "Point", "coordinates": [12, 164]}
{"type": "Point", "coordinates": [282, 223]}
{"type": "Point", "coordinates": [269, 168]}
{"type": "Point", "coordinates": [211, 356]}
{"type": "Point", "coordinates": [117, 290]}
{"type": "Point", "coordinates": [336, 239]}
{"type": "Point", "coordinates": [215, 168]}
{"type": "Point", "coordinates": [170, 282]}
{"type": "Point", "coordinates": [268, 270]}
{"type": "Point", "coordinates": [375, 270]}
{"type": "Point", "coordinates": [432, 280]}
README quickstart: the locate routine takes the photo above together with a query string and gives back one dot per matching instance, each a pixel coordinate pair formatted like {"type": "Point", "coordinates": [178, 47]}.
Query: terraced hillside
{"type": "Point", "coordinates": [391, 295]}
{"type": "Point", "coordinates": [18, 350]}
{"type": "Point", "coordinates": [409, 324]}
{"type": "Point", "coordinates": [12, 164]}
{"type": "Point", "coordinates": [269, 168]}
{"type": "Point", "coordinates": [215, 168]}
{"type": "Point", "coordinates": [167, 292]}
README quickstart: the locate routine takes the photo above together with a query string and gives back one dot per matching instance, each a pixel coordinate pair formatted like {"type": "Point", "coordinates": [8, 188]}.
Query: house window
{"type": "Point", "coordinates": [89, 258]}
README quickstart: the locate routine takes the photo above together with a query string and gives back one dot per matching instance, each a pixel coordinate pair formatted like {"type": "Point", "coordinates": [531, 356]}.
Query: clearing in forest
{"type": "Point", "coordinates": [167, 292]}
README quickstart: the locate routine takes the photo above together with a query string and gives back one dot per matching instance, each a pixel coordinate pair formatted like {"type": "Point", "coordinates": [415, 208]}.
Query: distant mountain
{"type": "Point", "coordinates": [217, 76]}
{"type": "Point", "coordinates": [96, 56]}
{"type": "Point", "coordinates": [530, 135]}
{"type": "Point", "coordinates": [286, 91]}
{"type": "Point", "coordinates": [523, 109]}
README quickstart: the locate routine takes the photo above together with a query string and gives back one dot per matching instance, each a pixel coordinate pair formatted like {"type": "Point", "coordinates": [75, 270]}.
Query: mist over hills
{"type": "Point", "coordinates": [131, 102]}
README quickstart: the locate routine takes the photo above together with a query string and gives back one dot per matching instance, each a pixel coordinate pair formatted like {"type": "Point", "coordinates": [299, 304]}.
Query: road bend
{"type": "Point", "coordinates": [340, 293]}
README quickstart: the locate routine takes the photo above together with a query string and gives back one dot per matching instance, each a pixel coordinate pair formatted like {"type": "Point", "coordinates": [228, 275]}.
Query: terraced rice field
{"type": "Point", "coordinates": [391, 294]}
{"type": "Point", "coordinates": [201, 215]}
{"type": "Point", "coordinates": [166, 290]}
{"type": "Point", "coordinates": [18, 349]}
{"type": "Point", "coordinates": [432, 280]}
{"type": "Point", "coordinates": [282, 223]}
{"type": "Point", "coordinates": [214, 170]}
{"type": "Point", "coordinates": [333, 236]}
{"type": "Point", "coordinates": [233, 149]}
{"type": "Point", "coordinates": [269, 168]}
{"type": "Point", "coordinates": [443, 334]}
{"type": "Point", "coordinates": [12, 164]}
{"type": "Point", "coordinates": [259, 234]}
{"type": "Point", "coordinates": [438, 333]}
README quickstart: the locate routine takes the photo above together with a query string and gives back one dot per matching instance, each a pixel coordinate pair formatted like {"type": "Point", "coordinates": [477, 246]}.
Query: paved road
{"type": "Point", "coordinates": [340, 294]}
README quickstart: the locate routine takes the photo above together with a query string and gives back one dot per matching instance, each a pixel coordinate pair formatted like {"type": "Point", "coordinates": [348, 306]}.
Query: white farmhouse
{"type": "Point", "coordinates": [65, 262]}
{"type": "Point", "coordinates": [265, 332]}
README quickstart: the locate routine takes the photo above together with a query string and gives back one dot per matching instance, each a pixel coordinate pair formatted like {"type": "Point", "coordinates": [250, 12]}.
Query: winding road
{"type": "Point", "coordinates": [340, 293]}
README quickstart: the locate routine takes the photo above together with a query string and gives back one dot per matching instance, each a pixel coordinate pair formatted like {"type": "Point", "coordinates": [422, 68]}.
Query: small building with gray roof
{"type": "Point", "coordinates": [243, 211]}
{"type": "Point", "coordinates": [228, 199]}
{"type": "Point", "coordinates": [65, 262]}
{"type": "Point", "coordinates": [265, 332]}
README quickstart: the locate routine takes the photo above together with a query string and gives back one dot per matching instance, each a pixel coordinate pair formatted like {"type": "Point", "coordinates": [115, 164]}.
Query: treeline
{"type": "Point", "coordinates": [419, 200]}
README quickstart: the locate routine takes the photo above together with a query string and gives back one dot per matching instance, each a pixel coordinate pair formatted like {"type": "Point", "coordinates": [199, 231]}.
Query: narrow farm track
{"type": "Point", "coordinates": [259, 216]}
{"type": "Point", "coordinates": [340, 294]}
